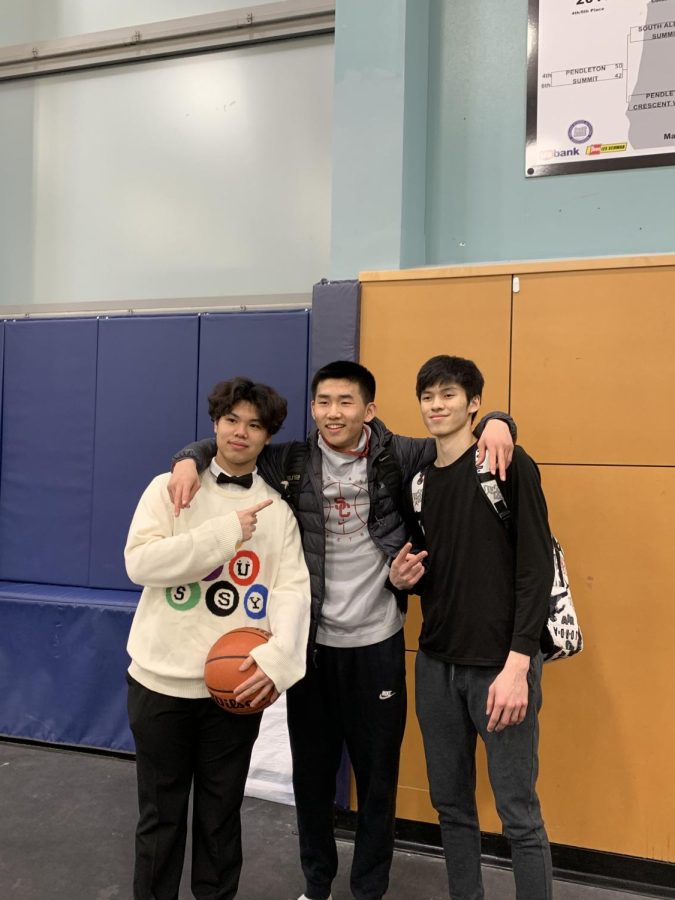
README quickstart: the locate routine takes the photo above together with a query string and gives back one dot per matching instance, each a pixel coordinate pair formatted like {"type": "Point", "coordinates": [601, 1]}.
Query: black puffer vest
{"type": "Point", "coordinates": [385, 523]}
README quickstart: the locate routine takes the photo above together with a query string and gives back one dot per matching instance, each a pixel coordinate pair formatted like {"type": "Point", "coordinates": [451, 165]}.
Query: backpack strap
{"type": "Point", "coordinates": [417, 495]}
{"type": "Point", "coordinates": [486, 480]}
{"type": "Point", "coordinates": [561, 636]}
{"type": "Point", "coordinates": [490, 486]}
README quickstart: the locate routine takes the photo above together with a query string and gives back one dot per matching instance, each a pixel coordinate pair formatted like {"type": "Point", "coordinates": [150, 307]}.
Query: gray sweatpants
{"type": "Point", "coordinates": [451, 701]}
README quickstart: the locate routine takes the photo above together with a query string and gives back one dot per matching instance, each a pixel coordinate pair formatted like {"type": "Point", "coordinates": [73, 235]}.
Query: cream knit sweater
{"type": "Point", "coordinates": [200, 581]}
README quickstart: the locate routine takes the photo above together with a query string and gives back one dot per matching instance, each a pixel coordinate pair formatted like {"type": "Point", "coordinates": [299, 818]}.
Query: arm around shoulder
{"type": "Point", "coordinates": [498, 416]}
{"type": "Point", "coordinates": [496, 433]}
{"type": "Point", "coordinates": [185, 468]}
{"type": "Point", "coordinates": [201, 452]}
{"type": "Point", "coordinates": [156, 556]}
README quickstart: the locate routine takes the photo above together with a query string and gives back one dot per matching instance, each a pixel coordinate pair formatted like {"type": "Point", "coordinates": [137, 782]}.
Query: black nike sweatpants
{"type": "Point", "coordinates": [355, 695]}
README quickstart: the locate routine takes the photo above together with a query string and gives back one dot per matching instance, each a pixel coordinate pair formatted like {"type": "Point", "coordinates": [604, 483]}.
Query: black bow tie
{"type": "Point", "coordinates": [244, 481]}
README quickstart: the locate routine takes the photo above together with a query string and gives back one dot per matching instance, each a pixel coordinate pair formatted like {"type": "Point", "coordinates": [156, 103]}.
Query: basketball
{"type": "Point", "coordinates": [221, 670]}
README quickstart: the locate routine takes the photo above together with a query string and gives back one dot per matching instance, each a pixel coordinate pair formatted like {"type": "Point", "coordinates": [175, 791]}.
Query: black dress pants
{"type": "Point", "coordinates": [179, 742]}
{"type": "Point", "coordinates": [355, 695]}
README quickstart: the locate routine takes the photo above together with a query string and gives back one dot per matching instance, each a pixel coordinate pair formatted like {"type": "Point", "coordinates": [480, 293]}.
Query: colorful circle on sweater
{"type": "Point", "coordinates": [244, 567]}
{"type": "Point", "coordinates": [255, 601]}
{"type": "Point", "coordinates": [183, 596]}
{"type": "Point", "coordinates": [222, 598]}
{"type": "Point", "coordinates": [213, 575]}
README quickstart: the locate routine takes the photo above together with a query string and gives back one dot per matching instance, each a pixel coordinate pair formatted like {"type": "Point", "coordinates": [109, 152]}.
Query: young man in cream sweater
{"type": "Point", "coordinates": [233, 559]}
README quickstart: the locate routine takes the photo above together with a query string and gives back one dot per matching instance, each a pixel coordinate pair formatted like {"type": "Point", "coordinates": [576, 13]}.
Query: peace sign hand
{"type": "Point", "coordinates": [407, 569]}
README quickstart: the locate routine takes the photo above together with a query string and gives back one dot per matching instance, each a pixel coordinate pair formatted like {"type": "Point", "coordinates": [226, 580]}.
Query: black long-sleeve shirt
{"type": "Point", "coordinates": [487, 588]}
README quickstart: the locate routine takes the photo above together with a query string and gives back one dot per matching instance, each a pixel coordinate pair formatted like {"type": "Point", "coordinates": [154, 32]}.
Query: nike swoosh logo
{"type": "Point", "coordinates": [386, 695]}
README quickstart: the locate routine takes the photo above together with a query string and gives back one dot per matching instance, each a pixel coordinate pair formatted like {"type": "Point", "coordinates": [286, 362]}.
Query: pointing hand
{"type": "Point", "coordinates": [248, 519]}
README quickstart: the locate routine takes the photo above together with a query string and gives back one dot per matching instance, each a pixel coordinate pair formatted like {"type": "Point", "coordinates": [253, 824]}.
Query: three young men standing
{"type": "Point", "coordinates": [354, 690]}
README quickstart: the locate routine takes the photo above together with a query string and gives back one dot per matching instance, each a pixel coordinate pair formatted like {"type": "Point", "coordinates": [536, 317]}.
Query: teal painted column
{"type": "Point", "coordinates": [380, 137]}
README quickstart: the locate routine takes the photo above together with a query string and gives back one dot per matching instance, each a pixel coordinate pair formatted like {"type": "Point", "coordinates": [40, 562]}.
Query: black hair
{"type": "Point", "coordinates": [348, 371]}
{"type": "Point", "coordinates": [450, 370]}
{"type": "Point", "coordinates": [270, 405]}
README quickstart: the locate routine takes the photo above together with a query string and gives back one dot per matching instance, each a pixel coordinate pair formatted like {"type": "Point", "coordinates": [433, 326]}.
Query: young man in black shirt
{"type": "Point", "coordinates": [485, 598]}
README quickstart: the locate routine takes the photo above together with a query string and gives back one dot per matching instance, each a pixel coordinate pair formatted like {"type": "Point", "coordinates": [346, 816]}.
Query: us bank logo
{"type": "Point", "coordinates": [580, 131]}
{"type": "Point", "coordinates": [558, 154]}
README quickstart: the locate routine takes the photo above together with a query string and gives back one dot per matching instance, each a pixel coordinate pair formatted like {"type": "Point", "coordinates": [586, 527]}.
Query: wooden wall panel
{"type": "Point", "coordinates": [607, 726]}
{"type": "Point", "coordinates": [413, 788]}
{"type": "Point", "coordinates": [592, 391]}
{"type": "Point", "coordinates": [593, 377]}
{"type": "Point", "coordinates": [404, 324]}
{"type": "Point", "coordinates": [607, 732]}
{"type": "Point", "coordinates": [413, 624]}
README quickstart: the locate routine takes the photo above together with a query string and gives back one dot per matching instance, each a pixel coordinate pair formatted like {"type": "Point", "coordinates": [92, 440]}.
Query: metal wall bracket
{"type": "Point", "coordinates": [215, 31]}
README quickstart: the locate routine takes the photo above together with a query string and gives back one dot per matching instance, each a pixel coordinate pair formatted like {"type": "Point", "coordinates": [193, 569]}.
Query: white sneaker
{"type": "Point", "coordinates": [305, 897]}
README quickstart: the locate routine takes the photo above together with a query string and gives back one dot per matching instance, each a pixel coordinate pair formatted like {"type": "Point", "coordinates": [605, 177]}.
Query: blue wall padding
{"type": "Point", "coordinates": [146, 408]}
{"type": "Point", "coordinates": [336, 312]}
{"type": "Point", "coordinates": [47, 450]}
{"type": "Point", "coordinates": [270, 347]}
{"type": "Point", "coordinates": [63, 663]}
{"type": "Point", "coordinates": [92, 411]}
{"type": "Point", "coordinates": [2, 355]}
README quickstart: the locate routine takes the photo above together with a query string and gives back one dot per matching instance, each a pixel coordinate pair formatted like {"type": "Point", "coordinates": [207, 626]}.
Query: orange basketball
{"type": "Point", "coordinates": [221, 670]}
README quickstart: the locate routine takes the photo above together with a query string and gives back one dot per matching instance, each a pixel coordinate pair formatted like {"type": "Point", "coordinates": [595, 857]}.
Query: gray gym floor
{"type": "Point", "coordinates": [66, 833]}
